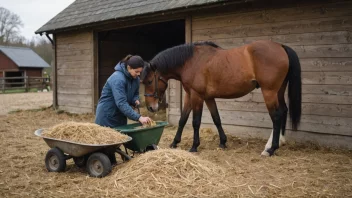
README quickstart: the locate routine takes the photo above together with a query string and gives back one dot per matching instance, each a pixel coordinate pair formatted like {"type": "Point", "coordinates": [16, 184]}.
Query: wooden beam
{"type": "Point", "coordinates": [95, 86]}
{"type": "Point", "coordinates": [54, 74]}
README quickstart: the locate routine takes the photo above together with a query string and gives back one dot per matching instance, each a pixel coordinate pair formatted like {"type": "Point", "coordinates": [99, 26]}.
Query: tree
{"type": "Point", "coordinates": [10, 24]}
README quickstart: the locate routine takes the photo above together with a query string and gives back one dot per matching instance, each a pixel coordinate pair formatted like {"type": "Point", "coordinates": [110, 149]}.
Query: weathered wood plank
{"type": "Point", "coordinates": [74, 37]}
{"type": "Point", "coordinates": [339, 90]}
{"type": "Point", "coordinates": [309, 123]}
{"type": "Point", "coordinates": [299, 136]}
{"type": "Point", "coordinates": [337, 110]}
{"type": "Point", "coordinates": [318, 38]}
{"type": "Point", "coordinates": [74, 90]}
{"type": "Point", "coordinates": [83, 57]}
{"type": "Point", "coordinates": [75, 109]}
{"type": "Point", "coordinates": [326, 64]}
{"type": "Point", "coordinates": [69, 53]}
{"type": "Point", "coordinates": [173, 119]}
{"type": "Point", "coordinates": [328, 51]}
{"type": "Point", "coordinates": [75, 81]}
{"type": "Point", "coordinates": [73, 84]}
{"type": "Point", "coordinates": [313, 98]}
{"type": "Point", "coordinates": [312, 123]}
{"type": "Point", "coordinates": [54, 65]}
{"type": "Point", "coordinates": [72, 64]}
{"type": "Point", "coordinates": [84, 71]}
{"type": "Point", "coordinates": [173, 105]}
{"type": "Point", "coordinates": [274, 15]}
{"type": "Point", "coordinates": [78, 78]}
{"type": "Point", "coordinates": [75, 100]}
{"type": "Point", "coordinates": [280, 28]}
{"type": "Point", "coordinates": [327, 99]}
{"type": "Point", "coordinates": [326, 78]}
{"type": "Point", "coordinates": [175, 110]}
{"type": "Point", "coordinates": [306, 98]}
{"type": "Point", "coordinates": [74, 46]}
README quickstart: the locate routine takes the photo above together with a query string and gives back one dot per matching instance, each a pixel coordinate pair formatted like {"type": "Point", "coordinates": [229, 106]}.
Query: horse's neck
{"type": "Point", "coordinates": [172, 74]}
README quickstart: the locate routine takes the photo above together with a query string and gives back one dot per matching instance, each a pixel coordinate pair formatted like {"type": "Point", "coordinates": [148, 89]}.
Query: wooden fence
{"type": "Point", "coordinates": [26, 83]}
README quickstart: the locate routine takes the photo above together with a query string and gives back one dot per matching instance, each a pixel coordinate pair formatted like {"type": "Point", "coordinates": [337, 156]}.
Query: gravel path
{"type": "Point", "coordinates": [12, 102]}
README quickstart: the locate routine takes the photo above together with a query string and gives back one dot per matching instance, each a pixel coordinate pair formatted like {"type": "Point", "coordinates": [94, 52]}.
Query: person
{"type": "Point", "coordinates": [120, 93]}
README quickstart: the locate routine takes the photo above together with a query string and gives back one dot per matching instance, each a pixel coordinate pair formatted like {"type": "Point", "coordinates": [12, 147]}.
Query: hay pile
{"type": "Point", "coordinates": [171, 173]}
{"type": "Point", "coordinates": [86, 133]}
{"type": "Point", "coordinates": [151, 124]}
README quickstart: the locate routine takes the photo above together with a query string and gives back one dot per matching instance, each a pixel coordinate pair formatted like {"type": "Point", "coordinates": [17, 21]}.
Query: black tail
{"type": "Point", "coordinates": [294, 87]}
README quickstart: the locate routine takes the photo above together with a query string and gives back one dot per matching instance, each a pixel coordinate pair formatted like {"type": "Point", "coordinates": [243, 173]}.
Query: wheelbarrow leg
{"type": "Point", "coordinates": [110, 152]}
{"type": "Point", "coordinates": [124, 156]}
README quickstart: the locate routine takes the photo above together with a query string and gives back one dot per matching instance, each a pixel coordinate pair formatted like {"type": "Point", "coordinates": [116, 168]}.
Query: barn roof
{"type": "Point", "coordinates": [24, 57]}
{"type": "Point", "coordinates": [83, 12]}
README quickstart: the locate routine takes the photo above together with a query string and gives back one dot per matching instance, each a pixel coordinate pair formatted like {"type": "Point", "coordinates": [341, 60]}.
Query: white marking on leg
{"type": "Point", "coordinates": [270, 141]}
{"type": "Point", "coordinates": [268, 145]}
{"type": "Point", "coordinates": [282, 140]}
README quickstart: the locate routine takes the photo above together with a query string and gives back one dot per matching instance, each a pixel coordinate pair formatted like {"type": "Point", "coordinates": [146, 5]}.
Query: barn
{"type": "Point", "coordinates": [90, 37]}
{"type": "Point", "coordinates": [20, 62]}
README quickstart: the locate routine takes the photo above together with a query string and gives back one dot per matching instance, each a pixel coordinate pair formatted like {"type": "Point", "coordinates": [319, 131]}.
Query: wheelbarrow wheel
{"type": "Point", "coordinates": [80, 161]}
{"type": "Point", "coordinates": [151, 147]}
{"type": "Point", "coordinates": [55, 160]}
{"type": "Point", "coordinates": [98, 165]}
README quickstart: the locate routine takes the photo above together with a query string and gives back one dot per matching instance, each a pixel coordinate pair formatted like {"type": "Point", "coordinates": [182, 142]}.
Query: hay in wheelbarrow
{"type": "Point", "coordinates": [171, 173]}
{"type": "Point", "coordinates": [86, 133]}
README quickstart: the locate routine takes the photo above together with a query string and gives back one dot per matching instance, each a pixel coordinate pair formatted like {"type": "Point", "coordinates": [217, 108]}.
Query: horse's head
{"type": "Point", "coordinates": [155, 87]}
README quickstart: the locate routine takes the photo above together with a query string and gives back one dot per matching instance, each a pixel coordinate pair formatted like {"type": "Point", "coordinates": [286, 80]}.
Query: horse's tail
{"type": "Point", "coordinates": [294, 87]}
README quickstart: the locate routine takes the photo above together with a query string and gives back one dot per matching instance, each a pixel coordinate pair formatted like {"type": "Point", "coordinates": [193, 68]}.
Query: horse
{"type": "Point", "coordinates": [208, 71]}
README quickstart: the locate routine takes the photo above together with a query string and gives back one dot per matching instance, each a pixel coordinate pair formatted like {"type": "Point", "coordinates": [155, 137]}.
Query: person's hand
{"type": "Point", "coordinates": [144, 120]}
{"type": "Point", "coordinates": [137, 102]}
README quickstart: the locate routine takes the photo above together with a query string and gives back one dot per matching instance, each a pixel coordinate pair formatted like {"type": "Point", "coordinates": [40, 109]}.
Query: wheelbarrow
{"type": "Point", "coordinates": [93, 156]}
{"type": "Point", "coordinates": [143, 139]}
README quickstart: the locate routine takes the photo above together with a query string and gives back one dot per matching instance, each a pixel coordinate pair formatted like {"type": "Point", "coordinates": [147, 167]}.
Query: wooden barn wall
{"type": "Point", "coordinates": [6, 64]}
{"type": "Point", "coordinates": [33, 72]}
{"type": "Point", "coordinates": [321, 36]}
{"type": "Point", "coordinates": [74, 61]}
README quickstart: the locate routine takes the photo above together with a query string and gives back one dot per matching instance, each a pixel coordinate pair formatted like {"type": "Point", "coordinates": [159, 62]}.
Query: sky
{"type": "Point", "coordinates": [34, 13]}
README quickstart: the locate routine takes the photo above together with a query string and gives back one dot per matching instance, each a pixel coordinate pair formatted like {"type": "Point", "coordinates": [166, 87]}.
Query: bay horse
{"type": "Point", "coordinates": [208, 71]}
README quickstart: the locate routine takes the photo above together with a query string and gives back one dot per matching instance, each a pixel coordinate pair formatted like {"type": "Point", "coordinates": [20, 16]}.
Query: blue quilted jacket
{"type": "Point", "coordinates": [120, 91]}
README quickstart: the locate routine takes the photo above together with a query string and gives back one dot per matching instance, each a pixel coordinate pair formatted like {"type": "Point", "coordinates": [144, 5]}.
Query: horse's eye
{"type": "Point", "coordinates": [150, 82]}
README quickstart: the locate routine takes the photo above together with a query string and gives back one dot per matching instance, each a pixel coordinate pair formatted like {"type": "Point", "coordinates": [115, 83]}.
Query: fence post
{"type": "Point", "coordinates": [26, 83]}
{"type": "Point", "coordinates": [3, 85]}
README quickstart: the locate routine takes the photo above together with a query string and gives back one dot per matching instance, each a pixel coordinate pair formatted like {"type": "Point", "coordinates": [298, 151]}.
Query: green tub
{"type": "Point", "coordinates": [142, 137]}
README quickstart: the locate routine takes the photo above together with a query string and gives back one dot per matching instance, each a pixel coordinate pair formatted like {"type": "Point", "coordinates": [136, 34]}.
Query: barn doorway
{"type": "Point", "coordinates": [144, 40]}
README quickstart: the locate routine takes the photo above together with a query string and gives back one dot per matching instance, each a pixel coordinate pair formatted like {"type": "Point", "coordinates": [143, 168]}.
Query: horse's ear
{"type": "Point", "coordinates": [145, 70]}
{"type": "Point", "coordinates": [152, 67]}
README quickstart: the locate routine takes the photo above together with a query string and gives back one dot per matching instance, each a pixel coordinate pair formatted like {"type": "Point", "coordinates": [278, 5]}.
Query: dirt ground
{"type": "Point", "coordinates": [16, 101]}
{"type": "Point", "coordinates": [298, 170]}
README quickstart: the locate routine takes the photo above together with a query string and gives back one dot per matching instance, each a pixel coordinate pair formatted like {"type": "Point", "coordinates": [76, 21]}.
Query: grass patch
{"type": "Point", "coordinates": [20, 90]}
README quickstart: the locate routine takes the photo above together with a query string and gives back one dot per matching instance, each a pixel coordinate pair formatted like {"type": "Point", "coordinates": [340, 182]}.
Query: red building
{"type": "Point", "coordinates": [20, 62]}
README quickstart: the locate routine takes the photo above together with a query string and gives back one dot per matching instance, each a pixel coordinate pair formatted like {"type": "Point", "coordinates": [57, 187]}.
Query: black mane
{"type": "Point", "coordinates": [173, 57]}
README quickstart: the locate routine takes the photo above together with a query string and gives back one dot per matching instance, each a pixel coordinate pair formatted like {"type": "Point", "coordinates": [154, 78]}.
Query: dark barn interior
{"type": "Point", "coordinates": [145, 40]}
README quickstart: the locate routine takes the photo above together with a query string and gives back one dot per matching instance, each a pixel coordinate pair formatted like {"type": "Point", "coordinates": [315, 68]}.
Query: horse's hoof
{"type": "Point", "coordinates": [265, 154]}
{"type": "Point", "coordinates": [222, 146]}
{"type": "Point", "coordinates": [173, 145]}
{"type": "Point", "coordinates": [193, 150]}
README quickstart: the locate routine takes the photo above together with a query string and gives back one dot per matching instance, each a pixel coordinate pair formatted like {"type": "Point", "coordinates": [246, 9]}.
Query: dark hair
{"type": "Point", "coordinates": [133, 61]}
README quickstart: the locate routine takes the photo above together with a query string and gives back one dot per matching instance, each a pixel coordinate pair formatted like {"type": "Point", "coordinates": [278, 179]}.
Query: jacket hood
{"type": "Point", "coordinates": [121, 67]}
